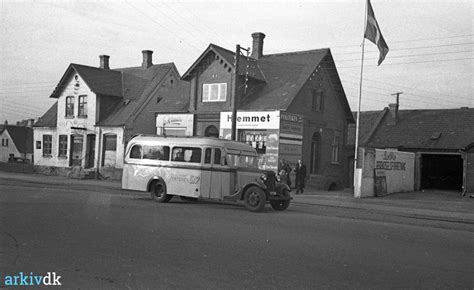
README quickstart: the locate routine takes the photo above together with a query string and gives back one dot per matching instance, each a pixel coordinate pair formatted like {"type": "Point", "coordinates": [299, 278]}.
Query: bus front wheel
{"type": "Point", "coordinates": [158, 191]}
{"type": "Point", "coordinates": [282, 204]}
{"type": "Point", "coordinates": [255, 199]}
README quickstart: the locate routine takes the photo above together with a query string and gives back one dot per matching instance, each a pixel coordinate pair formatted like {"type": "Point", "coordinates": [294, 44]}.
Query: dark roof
{"type": "Point", "coordinates": [133, 85]}
{"type": "Point", "coordinates": [279, 77]}
{"type": "Point", "coordinates": [50, 118]}
{"type": "Point", "coordinates": [247, 66]}
{"type": "Point", "coordinates": [369, 121]}
{"type": "Point", "coordinates": [100, 81]}
{"type": "Point", "coordinates": [22, 137]}
{"type": "Point", "coordinates": [285, 73]}
{"type": "Point", "coordinates": [176, 100]}
{"type": "Point", "coordinates": [139, 86]}
{"type": "Point", "coordinates": [444, 129]}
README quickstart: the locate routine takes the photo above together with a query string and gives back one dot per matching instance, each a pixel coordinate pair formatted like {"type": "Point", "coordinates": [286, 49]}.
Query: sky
{"type": "Point", "coordinates": [430, 61]}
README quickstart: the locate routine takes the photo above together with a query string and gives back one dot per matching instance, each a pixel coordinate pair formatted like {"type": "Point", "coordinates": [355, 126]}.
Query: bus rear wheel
{"type": "Point", "coordinates": [255, 199]}
{"type": "Point", "coordinates": [158, 192]}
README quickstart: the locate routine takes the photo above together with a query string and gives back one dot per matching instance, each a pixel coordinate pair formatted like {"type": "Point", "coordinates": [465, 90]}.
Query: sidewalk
{"type": "Point", "coordinates": [432, 204]}
{"type": "Point", "coordinates": [448, 205]}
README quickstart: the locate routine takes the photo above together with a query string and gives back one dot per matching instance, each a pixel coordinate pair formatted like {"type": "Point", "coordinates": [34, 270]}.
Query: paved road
{"type": "Point", "coordinates": [106, 238]}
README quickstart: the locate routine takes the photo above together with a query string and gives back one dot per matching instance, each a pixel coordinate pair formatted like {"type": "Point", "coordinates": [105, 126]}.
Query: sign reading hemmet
{"type": "Point", "coordinates": [252, 120]}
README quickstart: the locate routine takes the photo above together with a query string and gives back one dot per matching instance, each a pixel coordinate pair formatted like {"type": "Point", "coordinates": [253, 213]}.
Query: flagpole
{"type": "Point", "coordinates": [356, 179]}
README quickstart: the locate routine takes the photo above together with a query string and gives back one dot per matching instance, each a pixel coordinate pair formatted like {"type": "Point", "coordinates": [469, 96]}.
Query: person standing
{"type": "Point", "coordinates": [300, 171]}
{"type": "Point", "coordinates": [284, 170]}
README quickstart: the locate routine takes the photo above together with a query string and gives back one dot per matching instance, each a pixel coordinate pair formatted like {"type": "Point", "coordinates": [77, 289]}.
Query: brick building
{"type": "Point", "coordinates": [289, 105]}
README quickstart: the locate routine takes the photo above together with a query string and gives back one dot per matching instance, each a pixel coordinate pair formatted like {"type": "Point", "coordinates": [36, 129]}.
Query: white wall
{"type": "Point", "coordinates": [384, 172]}
{"type": "Point", "coordinates": [76, 91]}
{"type": "Point", "coordinates": [120, 144]}
{"type": "Point", "coordinates": [53, 160]}
{"type": "Point", "coordinates": [397, 168]}
{"type": "Point", "coordinates": [5, 151]}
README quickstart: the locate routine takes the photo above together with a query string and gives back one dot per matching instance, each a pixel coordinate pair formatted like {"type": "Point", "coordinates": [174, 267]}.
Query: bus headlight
{"type": "Point", "coordinates": [263, 177]}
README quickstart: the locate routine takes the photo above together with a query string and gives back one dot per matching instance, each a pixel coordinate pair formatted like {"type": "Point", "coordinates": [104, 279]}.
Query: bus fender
{"type": "Point", "coordinates": [280, 187]}
{"type": "Point", "coordinates": [255, 183]}
{"type": "Point", "coordinates": [150, 182]}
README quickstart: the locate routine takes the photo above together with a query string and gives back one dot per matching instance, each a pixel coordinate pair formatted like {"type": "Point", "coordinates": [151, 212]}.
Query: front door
{"type": "Point", "coordinates": [90, 150]}
{"type": "Point", "coordinates": [76, 150]}
{"type": "Point", "coordinates": [213, 175]}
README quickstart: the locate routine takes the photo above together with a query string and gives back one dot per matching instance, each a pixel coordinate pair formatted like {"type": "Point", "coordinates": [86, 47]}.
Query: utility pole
{"type": "Point", "coordinates": [398, 97]}
{"type": "Point", "coordinates": [236, 90]}
{"type": "Point", "coordinates": [234, 98]}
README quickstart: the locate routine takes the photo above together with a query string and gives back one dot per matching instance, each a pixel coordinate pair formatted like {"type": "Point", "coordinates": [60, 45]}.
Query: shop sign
{"type": "Point", "coordinates": [291, 117]}
{"type": "Point", "coordinates": [252, 120]}
{"type": "Point", "coordinates": [175, 121]}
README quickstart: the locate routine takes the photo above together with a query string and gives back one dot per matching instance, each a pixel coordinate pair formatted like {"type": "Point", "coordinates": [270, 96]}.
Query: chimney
{"type": "Point", "coordinates": [104, 61]}
{"type": "Point", "coordinates": [257, 46]}
{"type": "Point", "coordinates": [393, 114]}
{"type": "Point", "coordinates": [147, 59]}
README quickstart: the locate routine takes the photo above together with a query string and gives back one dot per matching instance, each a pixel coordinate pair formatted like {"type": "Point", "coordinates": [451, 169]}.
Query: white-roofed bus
{"type": "Point", "coordinates": [201, 168]}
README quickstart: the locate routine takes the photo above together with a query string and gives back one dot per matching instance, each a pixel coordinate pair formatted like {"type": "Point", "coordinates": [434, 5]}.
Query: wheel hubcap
{"type": "Point", "coordinates": [254, 198]}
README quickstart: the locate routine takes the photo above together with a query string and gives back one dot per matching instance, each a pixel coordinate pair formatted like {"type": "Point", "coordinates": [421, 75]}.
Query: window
{"type": "Point", "coordinates": [217, 156]}
{"type": "Point", "coordinates": [242, 160]}
{"type": "Point", "coordinates": [38, 144]}
{"type": "Point", "coordinates": [82, 106]}
{"type": "Point", "coordinates": [136, 152]}
{"type": "Point", "coordinates": [47, 145]}
{"type": "Point", "coordinates": [69, 106]}
{"type": "Point", "coordinates": [207, 156]}
{"type": "Point", "coordinates": [5, 142]}
{"type": "Point", "coordinates": [317, 104]}
{"type": "Point", "coordinates": [256, 139]}
{"type": "Point", "coordinates": [335, 149]}
{"type": "Point", "coordinates": [62, 152]}
{"type": "Point", "coordinates": [214, 92]}
{"type": "Point", "coordinates": [156, 152]}
{"type": "Point", "coordinates": [186, 154]}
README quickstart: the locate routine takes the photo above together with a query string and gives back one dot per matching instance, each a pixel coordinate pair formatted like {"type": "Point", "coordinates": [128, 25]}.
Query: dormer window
{"type": "Point", "coordinates": [70, 106]}
{"type": "Point", "coordinates": [82, 106]}
{"type": "Point", "coordinates": [214, 92]}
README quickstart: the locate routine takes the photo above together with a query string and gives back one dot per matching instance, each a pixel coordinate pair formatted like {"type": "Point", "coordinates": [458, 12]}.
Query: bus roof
{"type": "Point", "coordinates": [196, 141]}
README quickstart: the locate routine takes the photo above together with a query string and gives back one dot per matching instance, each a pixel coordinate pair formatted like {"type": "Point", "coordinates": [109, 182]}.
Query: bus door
{"type": "Point", "coordinates": [185, 178]}
{"type": "Point", "coordinates": [214, 176]}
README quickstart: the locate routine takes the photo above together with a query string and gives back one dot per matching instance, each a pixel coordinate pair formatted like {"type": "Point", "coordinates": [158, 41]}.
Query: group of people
{"type": "Point", "coordinates": [284, 170]}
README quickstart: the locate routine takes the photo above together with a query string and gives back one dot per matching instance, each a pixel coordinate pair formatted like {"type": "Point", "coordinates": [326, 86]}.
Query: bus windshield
{"type": "Point", "coordinates": [242, 160]}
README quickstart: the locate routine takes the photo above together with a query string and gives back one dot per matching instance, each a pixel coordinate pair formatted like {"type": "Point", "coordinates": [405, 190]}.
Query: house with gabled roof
{"type": "Point", "coordinates": [289, 106]}
{"type": "Point", "coordinates": [442, 140]}
{"type": "Point", "coordinates": [17, 141]}
{"type": "Point", "coordinates": [98, 109]}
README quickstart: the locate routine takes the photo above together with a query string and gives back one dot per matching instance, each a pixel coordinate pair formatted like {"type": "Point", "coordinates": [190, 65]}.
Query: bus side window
{"type": "Point", "coordinates": [195, 155]}
{"type": "Point", "coordinates": [207, 156]}
{"type": "Point", "coordinates": [178, 154]}
{"type": "Point", "coordinates": [136, 152]}
{"type": "Point", "coordinates": [217, 156]}
{"type": "Point", "coordinates": [156, 152]}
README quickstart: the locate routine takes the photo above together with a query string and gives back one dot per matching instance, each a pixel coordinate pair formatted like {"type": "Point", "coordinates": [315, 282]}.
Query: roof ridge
{"type": "Point", "coordinates": [439, 109]}
{"type": "Point", "coordinates": [296, 52]}
{"type": "Point", "coordinates": [139, 67]}
{"type": "Point", "coordinates": [218, 46]}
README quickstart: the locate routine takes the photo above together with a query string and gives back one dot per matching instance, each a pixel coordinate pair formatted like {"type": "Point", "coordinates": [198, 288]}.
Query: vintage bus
{"type": "Point", "coordinates": [201, 168]}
